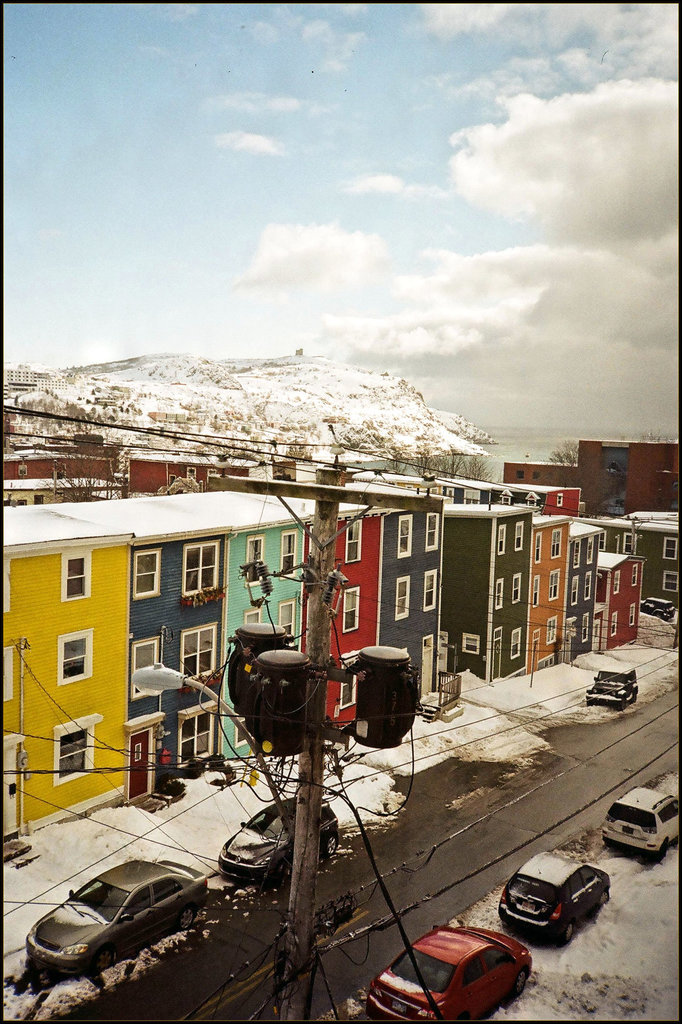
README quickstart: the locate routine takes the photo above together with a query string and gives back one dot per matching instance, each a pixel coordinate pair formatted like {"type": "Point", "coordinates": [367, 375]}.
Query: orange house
{"type": "Point", "coordinates": [547, 596]}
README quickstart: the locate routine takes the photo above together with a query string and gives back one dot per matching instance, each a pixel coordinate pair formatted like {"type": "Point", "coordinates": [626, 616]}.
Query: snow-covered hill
{"type": "Point", "coordinates": [294, 400]}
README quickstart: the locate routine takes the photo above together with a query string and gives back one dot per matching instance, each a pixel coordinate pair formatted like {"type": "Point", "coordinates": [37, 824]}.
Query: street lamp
{"type": "Point", "coordinates": [154, 679]}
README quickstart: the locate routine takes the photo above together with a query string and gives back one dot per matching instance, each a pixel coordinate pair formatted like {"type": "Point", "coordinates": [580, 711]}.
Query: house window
{"type": "Point", "coordinates": [75, 575]}
{"type": "Point", "coordinates": [554, 578]}
{"type": "Point", "coordinates": [353, 541]}
{"type": "Point", "coordinates": [518, 537]}
{"type": "Point", "coordinates": [197, 650]}
{"type": "Point", "coordinates": [431, 531]}
{"type": "Point", "coordinates": [516, 587]}
{"type": "Point", "coordinates": [602, 542]}
{"type": "Point", "coordinates": [587, 592]}
{"type": "Point", "coordinates": [515, 643]}
{"type": "Point", "coordinates": [191, 473]}
{"type": "Point", "coordinates": [536, 591]}
{"type": "Point", "coordinates": [287, 616]}
{"type": "Point", "coordinates": [430, 589]}
{"type": "Point", "coordinates": [404, 536]}
{"type": "Point", "coordinates": [627, 544]}
{"type": "Point", "coordinates": [575, 586]}
{"type": "Point", "coordinates": [559, 500]}
{"type": "Point", "coordinates": [255, 549]}
{"type": "Point", "coordinates": [200, 567]}
{"type": "Point", "coordinates": [555, 550]}
{"type": "Point", "coordinates": [614, 623]}
{"type": "Point", "coordinates": [551, 630]}
{"type": "Point", "coordinates": [251, 616]}
{"type": "Point", "coordinates": [471, 497]}
{"type": "Point", "coordinates": [635, 574]}
{"type": "Point", "coordinates": [288, 550]}
{"type": "Point", "coordinates": [585, 631]}
{"type": "Point", "coordinates": [538, 547]}
{"type": "Point", "coordinates": [471, 643]}
{"type": "Point", "coordinates": [147, 574]}
{"type": "Point", "coordinates": [576, 553]}
{"type": "Point", "coordinates": [75, 656]}
{"type": "Point", "coordinates": [143, 654]}
{"type": "Point", "coordinates": [23, 469]}
{"type": "Point", "coordinates": [402, 597]}
{"type": "Point", "coordinates": [670, 581]}
{"type": "Point", "coordinates": [7, 673]}
{"type": "Point", "coordinates": [73, 748]}
{"type": "Point", "coordinates": [499, 593]}
{"type": "Point", "coordinates": [670, 547]}
{"type": "Point", "coordinates": [632, 615]}
{"type": "Point", "coordinates": [348, 694]}
{"type": "Point", "coordinates": [196, 735]}
{"type": "Point", "coordinates": [616, 581]}
{"type": "Point", "coordinates": [501, 538]}
{"type": "Point", "coordinates": [351, 609]}
{"type": "Point", "coordinates": [590, 550]}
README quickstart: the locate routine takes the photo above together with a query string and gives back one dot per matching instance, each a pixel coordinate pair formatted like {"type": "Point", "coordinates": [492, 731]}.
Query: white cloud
{"type": "Point", "coordinates": [246, 142]}
{"type": "Point", "coordinates": [316, 256]}
{"type": "Point", "coordinates": [391, 184]}
{"type": "Point", "coordinates": [339, 47]}
{"type": "Point", "coordinates": [257, 103]}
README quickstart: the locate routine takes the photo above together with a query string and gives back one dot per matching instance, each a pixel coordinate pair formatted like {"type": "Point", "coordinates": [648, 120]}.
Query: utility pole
{"type": "Point", "coordinates": [299, 938]}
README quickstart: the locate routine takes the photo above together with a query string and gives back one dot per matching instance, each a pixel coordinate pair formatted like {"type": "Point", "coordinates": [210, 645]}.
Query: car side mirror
{"type": "Point", "coordinates": [126, 917]}
{"type": "Point", "coordinates": [71, 894]}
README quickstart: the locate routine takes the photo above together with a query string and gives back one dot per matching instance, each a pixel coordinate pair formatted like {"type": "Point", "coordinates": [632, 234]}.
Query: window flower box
{"type": "Point", "coordinates": [202, 597]}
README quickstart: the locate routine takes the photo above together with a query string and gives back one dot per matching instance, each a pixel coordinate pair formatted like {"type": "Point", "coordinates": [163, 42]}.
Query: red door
{"type": "Point", "coordinates": [138, 783]}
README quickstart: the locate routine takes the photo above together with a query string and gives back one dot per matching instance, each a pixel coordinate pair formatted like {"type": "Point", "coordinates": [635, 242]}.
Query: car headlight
{"type": "Point", "coordinates": [262, 862]}
{"type": "Point", "coordinates": [81, 947]}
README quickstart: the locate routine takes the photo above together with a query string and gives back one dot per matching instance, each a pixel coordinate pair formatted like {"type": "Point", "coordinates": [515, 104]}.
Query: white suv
{"type": "Point", "coordinates": [644, 819]}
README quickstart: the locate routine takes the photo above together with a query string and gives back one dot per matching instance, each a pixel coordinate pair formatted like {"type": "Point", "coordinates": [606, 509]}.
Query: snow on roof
{"type": "Point", "coordinates": [549, 867]}
{"type": "Point", "coordinates": [581, 529]}
{"type": "Point", "coordinates": [642, 797]}
{"type": "Point", "coordinates": [609, 560]}
{"type": "Point", "coordinates": [460, 511]}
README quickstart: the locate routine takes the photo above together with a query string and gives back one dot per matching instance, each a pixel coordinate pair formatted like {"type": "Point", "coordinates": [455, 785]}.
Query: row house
{"type": "Point", "coordinates": [581, 581]}
{"type": "Point", "coordinates": [151, 473]}
{"type": "Point", "coordinates": [546, 606]}
{"type": "Point", "coordinates": [653, 536]}
{"type": "Point", "coordinates": [619, 592]}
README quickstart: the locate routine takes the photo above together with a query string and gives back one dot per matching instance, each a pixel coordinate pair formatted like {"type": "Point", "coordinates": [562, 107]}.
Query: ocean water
{"type": "Point", "coordinates": [523, 444]}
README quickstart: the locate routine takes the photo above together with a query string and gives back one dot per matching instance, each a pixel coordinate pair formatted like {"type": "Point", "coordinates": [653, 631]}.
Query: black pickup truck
{"type": "Point", "coordinates": [615, 688]}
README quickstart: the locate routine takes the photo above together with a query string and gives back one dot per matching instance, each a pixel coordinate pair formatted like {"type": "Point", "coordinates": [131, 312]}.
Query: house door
{"type": "Point", "coordinates": [9, 787]}
{"type": "Point", "coordinates": [427, 663]}
{"type": "Point", "coordinates": [443, 653]}
{"type": "Point", "coordinates": [140, 768]}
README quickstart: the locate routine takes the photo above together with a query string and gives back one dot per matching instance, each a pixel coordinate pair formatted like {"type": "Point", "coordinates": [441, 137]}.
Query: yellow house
{"type": "Point", "coordinates": [65, 666]}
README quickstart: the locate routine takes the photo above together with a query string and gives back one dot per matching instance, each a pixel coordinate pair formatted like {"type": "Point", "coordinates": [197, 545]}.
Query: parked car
{"type": "Point", "coordinates": [659, 607]}
{"type": "Point", "coordinates": [468, 971]}
{"type": "Point", "coordinates": [262, 851]}
{"type": "Point", "coordinates": [116, 914]}
{"type": "Point", "coordinates": [645, 820]}
{"type": "Point", "coordinates": [551, 893]}
{"type": "Point", "coordinates": [617, 689]}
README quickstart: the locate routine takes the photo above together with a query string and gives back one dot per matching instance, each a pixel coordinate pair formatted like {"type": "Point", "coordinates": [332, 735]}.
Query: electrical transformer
{"type": "Point", "coordinates": [386, 696]}
{"type": "Point", "coordinates": [280, 710]}
{"type": "Point", "coordinates": [251, 640]}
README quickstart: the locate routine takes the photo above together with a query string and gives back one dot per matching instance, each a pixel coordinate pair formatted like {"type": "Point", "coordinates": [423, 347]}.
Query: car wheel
{"type": "Point", "coordinates": [186, 917]}
{"type": "Point", "coordinates": [103, 959]}
{"type": "Point", "coordinates": [567, 934]}
{"type": "Point", "coordinates": [622, 706]}
{"type": "Point", "coordinates": [605, 897]}
{"type": "Point", "coordinates": [330, 845]}
{"type": "Point", "coordinates": [663, 850]}
{"type": "Point", "coordinates": [520, 983]}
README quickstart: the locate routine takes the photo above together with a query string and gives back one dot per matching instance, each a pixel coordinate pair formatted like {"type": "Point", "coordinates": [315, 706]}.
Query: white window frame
{"type": "Point", "coordinates": [670, 548]}
{"type": "Point", "coordinates": [289, 622]}
{"type": "Point", "coordinates": [670, 581]}
{"type": "Point", "coordinates": [536, 591]}
{"type": "Point", "coordinates": [430, 585]}
{"type": "Point", "coordinates": [136, 647]}
{"type": "Point", "coordinates": [616, 582]}
{"type": "Point", "coordinates": [590, 550]}
{"type": "Point", "coordinates": [516, 587]}
{"type": "Point", "coordinates": [348, 690]}
{"type": "Point", "coordinates": [354, 541]}
{"type": "Point", "coordinates": [140, 595]}
{"type": "Point", "coordinates": [614, 623]}
{"type": "Point", "coordinates": [351, 607]}
{"type": "Point", "coordinates": [602, 541]}
{"type": "Point", "coordinates": [62, 641]}
{"type": "Point", "coordinates": [554, 582]}
{"type": "Point", "coordinates": [73, 556]}
{"type": "Point", "coordinates": [635, 573]}
{"type": "Point", "coordinates": [287, 550]}
{"type": "Point", "coordinates": [87, 725]}
{"type": "Point", "coordinates": [587, 589]}
{"type": "Point", "coordinates": [551, 630]}
{"type": "Point", "coordinates": [471, 643]}
{"type": "Point", "coordinates": [210, 628]}
{"type": "Point", "coordinates": [515, 649]}
{"type": "Point", "coordinates": [537, 555]}
{"type": "Point", "coordinates": [402, 597]}
{"type": "Point", "coordinates": [7, 673]}
{"type": "Point", "coordinates": [575, 589]}
{"type": "Point", "coordinates": [555, 548]}
{"type": "Point", "coordinates": [501, 538]}
{"type": "Point", "coordinates": [255, 552]}
{"type": "Point", "coordinates": [499, 593]}
{"type": "Point", "coordinates": [633, 615]}
{"type": "Point", "coordinates": [585, 632]}
{"type": "Point", "coordinates": [191, 716]}
{"type": "Point", "coordinates": [404, 536]}
{"type": "Point", "coordinates": [201, 546]}
{"type": "Point", "coordinates": [577, 545]}
{"type": "Point", "coordinates": [559, 499]}
{"type": "Point", "coordinates": [518, 537]}
{"type": "Point", "coordinates": [470, 496]}
{"type": "Point", "coordinates": [431, 540]}
{"type": "Point", "coordinates": [627, 544]}
{"type": "Point", "coordinates": [252, 615]}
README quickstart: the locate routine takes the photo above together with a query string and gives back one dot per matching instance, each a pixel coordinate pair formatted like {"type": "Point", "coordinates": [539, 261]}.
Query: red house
{"type": "Point", "coordinates": [618, 595]}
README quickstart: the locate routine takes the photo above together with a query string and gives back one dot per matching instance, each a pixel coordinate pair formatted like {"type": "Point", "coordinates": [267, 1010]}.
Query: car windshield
{"type": "Point", "coordinates": [632, 815]}
{"type": "Point", "coordinates": [524, 887]}
{"type": "Point", "coordinates": [106, 899]}
{"type": "Point", "coordinates": [436, 974]}
{"type": "Point", "coordinates": [268, 824]}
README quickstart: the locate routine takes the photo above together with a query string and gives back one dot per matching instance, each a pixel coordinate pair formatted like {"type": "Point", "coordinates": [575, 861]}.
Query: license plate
{"type": "Point", "coordinates": [398, 1006]}
{"type": "Point", "coordinates": [628, 831]}
{"type": "Point", "coordinates": [525, 905]}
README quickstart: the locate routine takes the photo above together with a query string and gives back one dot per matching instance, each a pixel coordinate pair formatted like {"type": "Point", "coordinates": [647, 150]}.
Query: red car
{"type": "Point", "coordinates": [468, 971]}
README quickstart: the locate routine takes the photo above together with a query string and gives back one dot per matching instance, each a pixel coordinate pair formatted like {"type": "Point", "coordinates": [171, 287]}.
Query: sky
{"type": "Point", "coordinates": [480, 198]}
{"type": "Point", "coordinates": [606, 973]}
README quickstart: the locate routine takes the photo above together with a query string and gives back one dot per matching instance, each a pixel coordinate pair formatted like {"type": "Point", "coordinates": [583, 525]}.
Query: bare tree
{"type": "Point", "coordinates": [565, 453]}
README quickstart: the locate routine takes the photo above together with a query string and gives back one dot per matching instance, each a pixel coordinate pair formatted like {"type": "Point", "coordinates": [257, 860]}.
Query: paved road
{"type": "Point", "coordinates": [499, 808]}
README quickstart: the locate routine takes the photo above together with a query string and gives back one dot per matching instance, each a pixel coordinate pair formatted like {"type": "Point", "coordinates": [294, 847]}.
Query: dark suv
{"type": "Point", "coordinates": [261, 853]}
{"type": "Point", "coordinates": [551, 893]}
{"type": "Point", "coordinates": [615, 688]}
{"type": "Point", "coordinates": [659, 607]}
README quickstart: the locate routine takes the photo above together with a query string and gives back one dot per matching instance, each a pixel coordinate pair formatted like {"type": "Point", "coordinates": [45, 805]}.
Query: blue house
{"type": "Point", "coordinates": [581, 588]}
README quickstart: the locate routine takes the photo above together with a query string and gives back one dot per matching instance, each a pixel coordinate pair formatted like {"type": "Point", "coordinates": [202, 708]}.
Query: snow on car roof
{"type": "Point", "coordinates": [549, 867]}
{"type": "Point", "coordinates": [642, 797]}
